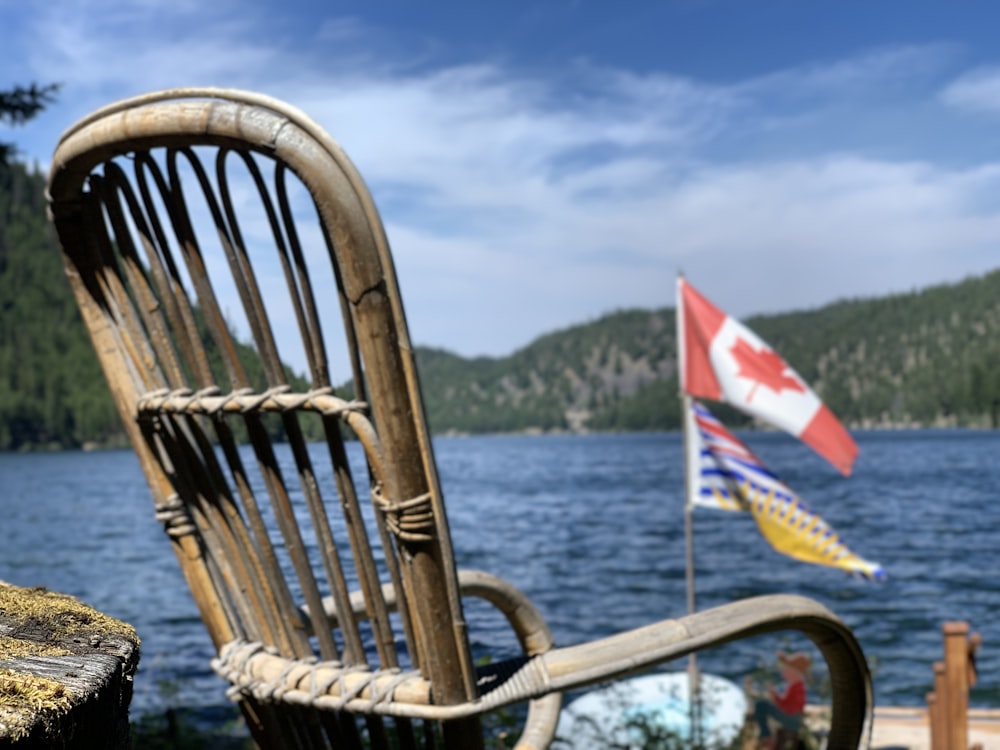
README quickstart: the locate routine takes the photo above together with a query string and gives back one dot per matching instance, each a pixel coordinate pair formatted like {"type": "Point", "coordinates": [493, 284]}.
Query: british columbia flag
{"type": "Point", "coordinates": [730, 477]}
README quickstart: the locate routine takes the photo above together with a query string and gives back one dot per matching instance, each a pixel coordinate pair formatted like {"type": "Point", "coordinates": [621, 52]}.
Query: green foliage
{"type": "Point", "coordinates": [608, 375]}
{"type": "Point", "coordinates": [51, 388]}
{"type": "Point", "coordinates": [20, 104]}
{"type": "Point", "coordinates": [173, 730]}
{"type": "Point", "coordinates": [652, 408]}
{"type": "Point", "coordinates": [165, 726]}
{"type": "Point", "coordinates": [917, 359]}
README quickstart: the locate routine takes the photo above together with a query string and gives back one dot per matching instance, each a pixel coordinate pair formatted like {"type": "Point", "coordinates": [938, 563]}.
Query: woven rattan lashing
{"type": "Point", "coordinates": [212, 238]}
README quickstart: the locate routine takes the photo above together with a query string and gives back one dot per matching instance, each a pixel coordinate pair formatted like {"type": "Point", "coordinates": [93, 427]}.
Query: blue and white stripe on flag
{"type": "Point", "coordinates": [731, 477]}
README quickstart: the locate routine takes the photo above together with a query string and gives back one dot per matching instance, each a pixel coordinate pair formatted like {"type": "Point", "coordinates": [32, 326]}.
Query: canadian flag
{"type": "Point", "coordinates": [723, 360]}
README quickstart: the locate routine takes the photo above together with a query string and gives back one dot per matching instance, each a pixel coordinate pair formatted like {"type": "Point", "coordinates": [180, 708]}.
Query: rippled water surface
{"type": "Point", "coordinates": [591, 527]}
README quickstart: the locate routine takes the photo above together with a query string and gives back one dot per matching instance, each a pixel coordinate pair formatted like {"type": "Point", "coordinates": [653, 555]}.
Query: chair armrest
{"type": "Point", "coordinates": [639, 649]}
{"type": "Point", "coordinates": [535, 638]}
{"type": "Point", "coordinates": [546, 671]}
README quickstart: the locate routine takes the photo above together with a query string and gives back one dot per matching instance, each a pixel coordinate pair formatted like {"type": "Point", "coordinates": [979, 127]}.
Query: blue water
{"type": "Point", "coordinates": [591, 527]}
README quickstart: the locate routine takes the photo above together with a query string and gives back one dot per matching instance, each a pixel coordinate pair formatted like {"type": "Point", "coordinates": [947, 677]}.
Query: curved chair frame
{"type": "Point", "coordinates": [303, 652]}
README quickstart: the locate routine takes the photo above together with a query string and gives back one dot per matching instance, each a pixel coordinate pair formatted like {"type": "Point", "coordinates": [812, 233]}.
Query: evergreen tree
{"type": "Point", "coordinates": [19, 104]}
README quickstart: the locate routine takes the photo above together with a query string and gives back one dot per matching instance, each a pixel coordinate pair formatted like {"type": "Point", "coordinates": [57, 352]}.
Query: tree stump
{"type": "Point", "coordinates": [65, 673]}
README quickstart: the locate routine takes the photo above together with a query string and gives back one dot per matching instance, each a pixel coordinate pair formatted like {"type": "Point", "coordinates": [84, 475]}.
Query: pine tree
{"type": "Point", "coordinates": [19, 104]}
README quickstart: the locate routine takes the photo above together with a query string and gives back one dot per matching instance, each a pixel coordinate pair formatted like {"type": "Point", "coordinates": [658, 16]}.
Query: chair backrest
{"type": "Point", "coordinates": [212, 238]}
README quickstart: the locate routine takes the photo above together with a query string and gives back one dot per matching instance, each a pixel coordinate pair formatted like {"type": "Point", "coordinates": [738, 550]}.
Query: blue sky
{"type": "Point", "coordinates": [538, 164]}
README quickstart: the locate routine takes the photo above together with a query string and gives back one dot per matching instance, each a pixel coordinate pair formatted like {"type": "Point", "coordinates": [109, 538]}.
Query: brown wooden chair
{"type": "Point", "coordinates": [210, 236]}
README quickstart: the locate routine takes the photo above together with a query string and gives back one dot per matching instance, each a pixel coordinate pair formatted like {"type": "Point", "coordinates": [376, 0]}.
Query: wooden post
{"type": "Point", "coordinates": [65, 673]}
{"type": "Point", "coordinates": [956, 680]}
{"type": "Point", "coordinates": [935, 724]}
{"type": "Point", "coordinates": [939, 725]}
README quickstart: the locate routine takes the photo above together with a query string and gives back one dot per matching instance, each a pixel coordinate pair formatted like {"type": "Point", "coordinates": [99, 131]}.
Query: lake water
{"type": "Point", "coordinates": [591, 527]}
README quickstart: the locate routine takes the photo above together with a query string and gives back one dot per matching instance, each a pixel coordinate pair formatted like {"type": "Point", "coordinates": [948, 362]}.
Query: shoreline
{"type": "Point", "coordinates": [908, 727]}
{"type": "Point", "coordinates": [92, 446]}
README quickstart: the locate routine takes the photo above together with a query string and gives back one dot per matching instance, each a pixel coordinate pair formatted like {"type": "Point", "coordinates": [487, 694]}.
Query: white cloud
{"type": "Point", "coordinates": [138, 46]}
{"type": "Point", "coordinates": [518, 202]}
{"type": "Point", "coordinates": [976, 91]}
{"type": "Point", "coordinates": [858, 74]}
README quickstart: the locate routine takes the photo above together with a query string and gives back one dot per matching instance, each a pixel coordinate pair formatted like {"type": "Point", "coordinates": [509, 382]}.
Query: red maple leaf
{"type": "Point", "coordinates": [765, 368]}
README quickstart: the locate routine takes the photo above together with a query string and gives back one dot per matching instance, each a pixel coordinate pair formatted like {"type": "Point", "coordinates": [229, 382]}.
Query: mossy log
{"type": "Point", "coordinates": [65, 672]}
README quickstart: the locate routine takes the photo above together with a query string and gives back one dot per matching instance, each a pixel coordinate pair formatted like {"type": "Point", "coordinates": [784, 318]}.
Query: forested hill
{"type": "Point", "coordinates": [927, 358]}
{"type": "Point", "coordinates": [52, 392]}
{"type": "Point", "coordinates": [931, 357]}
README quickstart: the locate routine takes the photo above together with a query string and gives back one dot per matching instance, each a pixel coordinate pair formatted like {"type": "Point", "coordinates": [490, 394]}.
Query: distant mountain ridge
{"type": "Point", "coordinates": [930, 357]}
{"type": "Point", "coordinates": [587, 377]}
{"type": "Point", "coordinates": [925, 358]}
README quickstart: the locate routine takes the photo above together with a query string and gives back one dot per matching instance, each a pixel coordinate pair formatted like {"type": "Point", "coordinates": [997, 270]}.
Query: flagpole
{"type": "Point", "coordinates": [690, 445]}
{"type": "Point", "coordinates": [689, 481]}
{"type": "Point", "coordinates": [694, 678]}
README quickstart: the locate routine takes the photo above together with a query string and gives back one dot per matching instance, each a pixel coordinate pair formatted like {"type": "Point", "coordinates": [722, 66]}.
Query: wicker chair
{"type": "Point", "coordinates": [191, 244]}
